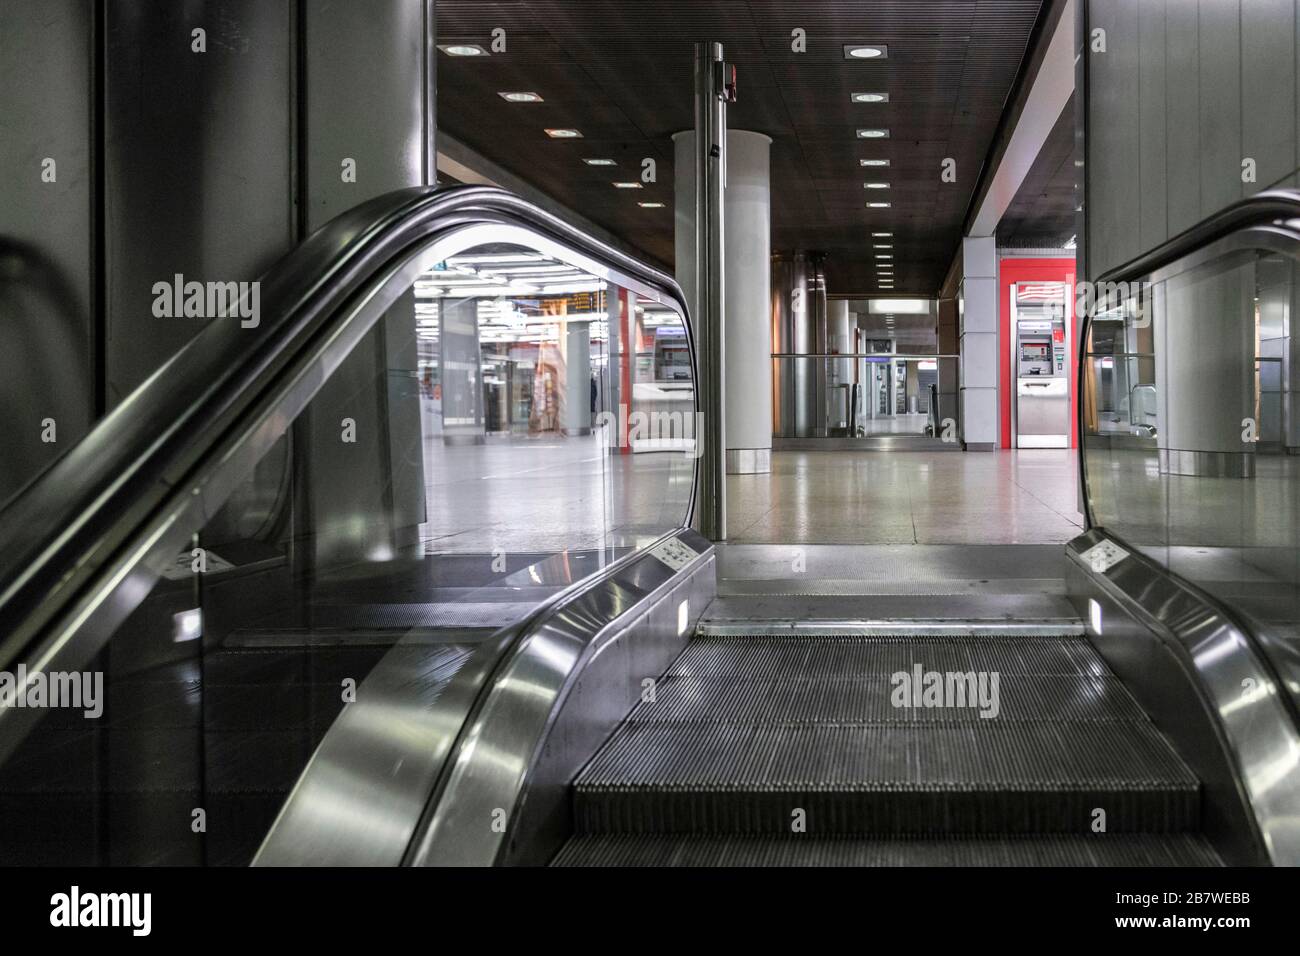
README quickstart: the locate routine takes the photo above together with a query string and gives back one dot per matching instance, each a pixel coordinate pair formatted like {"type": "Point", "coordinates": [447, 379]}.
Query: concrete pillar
{"type": "Point", "coordinates": [575, 400]}
{"type": "Point", "coordinates": [1204, 393]}
{"type": "Point", "coordinates": [462, 384]}
{"type": "Point", "coordinates": [978, 342]}
{"type": "Point", "coordinates": [747, 336]}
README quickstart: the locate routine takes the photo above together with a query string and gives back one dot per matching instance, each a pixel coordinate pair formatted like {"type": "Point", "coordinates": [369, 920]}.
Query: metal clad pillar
{"type": "Point", "coordinates": [709, 280]}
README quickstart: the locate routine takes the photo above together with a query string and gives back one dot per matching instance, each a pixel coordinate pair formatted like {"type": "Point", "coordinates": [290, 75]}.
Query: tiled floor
{"type": "Point", "coordinates": [853, 497]}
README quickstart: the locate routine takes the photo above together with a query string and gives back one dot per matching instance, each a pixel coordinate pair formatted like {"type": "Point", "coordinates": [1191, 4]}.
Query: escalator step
{"type": "Point", "coordinates": [1116, 849]}
{"type": "Point", "coordinates": [849, 657]}
{"type": "Point", "coordinates": [874, 778]}
{"type": "Point", "coordinates": [1020, 697]}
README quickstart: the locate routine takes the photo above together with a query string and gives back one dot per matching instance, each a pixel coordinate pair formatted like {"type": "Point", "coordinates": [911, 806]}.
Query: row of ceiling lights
{"type": "Point", "coordinates": [884, 261]}
{"type": "Point", "coordinates": [523, 96]}
{"type": "Point", "coordinates": [851, 52]}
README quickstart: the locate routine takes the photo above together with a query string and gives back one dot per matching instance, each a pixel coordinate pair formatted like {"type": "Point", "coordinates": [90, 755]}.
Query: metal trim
{"type": "Point", "coordinates": [749, 461]}
{"type": "Point", "coordinates": [890, 627]}
{"type": "Point", "coordinates": [1206, 464]}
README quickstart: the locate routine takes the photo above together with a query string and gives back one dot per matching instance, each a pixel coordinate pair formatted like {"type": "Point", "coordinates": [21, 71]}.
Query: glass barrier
{"type": "Point", "coordinates": [510, 424]}
{"type": "Point", "coordinates": [1191, 430]}
{"type": "Point", "coordinates": [865, 395]}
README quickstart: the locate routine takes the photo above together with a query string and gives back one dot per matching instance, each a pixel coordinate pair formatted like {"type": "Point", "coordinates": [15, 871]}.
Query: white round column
{"type": "Point", "coordinates": [747, 338]}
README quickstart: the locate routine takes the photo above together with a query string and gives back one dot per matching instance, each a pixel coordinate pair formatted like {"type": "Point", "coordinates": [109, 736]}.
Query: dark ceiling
{"type": "Point", "coordinates": [621, 72]}
{"type": "Point", "coordinates": [1043, 212]}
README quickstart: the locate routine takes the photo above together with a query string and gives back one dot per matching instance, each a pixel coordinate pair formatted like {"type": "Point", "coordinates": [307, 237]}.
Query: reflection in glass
{"type": "Point", "coordinates": [508, 425]}
{"type": "Point", "coordinates": [1191, 433]}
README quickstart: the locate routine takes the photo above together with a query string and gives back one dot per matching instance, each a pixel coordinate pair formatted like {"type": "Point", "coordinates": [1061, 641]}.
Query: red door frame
{"type": "Point", "coordinates": [1011, 271]}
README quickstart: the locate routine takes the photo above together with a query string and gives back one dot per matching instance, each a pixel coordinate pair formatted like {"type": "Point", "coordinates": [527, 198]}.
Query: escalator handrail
{"type": "Point", "coordinates": [1268, 206]}
{"type": "Point", "coordinates": [78, 516]}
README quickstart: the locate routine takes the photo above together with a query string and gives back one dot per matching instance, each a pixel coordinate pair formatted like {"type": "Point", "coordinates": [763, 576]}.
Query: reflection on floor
{"type": "Point", "coordinates": [549, 493]}
{"type": "Point", "coordinates": [851, 497]}
{"type": "Point", "coordinates": [896, 425]}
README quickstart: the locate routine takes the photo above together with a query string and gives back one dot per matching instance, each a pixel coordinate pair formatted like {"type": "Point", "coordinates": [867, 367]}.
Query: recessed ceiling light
{"type": "Point", "coordinates": [865, 51]}
{"type": "Point", "coordinates": [627, 185]}
{"type": "Point", "coordinates": [563, 134]}
{"type": "Point", "coordinates": [869, 97]}
{"type": "Point", "coordinates": [651, 205]}
{"type": "Point", "coordinates": [522, 97]}
{"type": "Point", "coordinates": [600, 162]}
{"type": "Point", "coordinates": [462, 49]}
{"type": "Point", "coordinates": [876, 185]}
{"type": "Point", "coordinates": [877, 205]}
{"type": "Point", "coordinates": [873, 162]}
{"type": "Point", "coordinates": [882, 235]}
{"type": "Point", "coordinates": [882, 245]}
{"type": "Point", "coordinates": [873, 134]}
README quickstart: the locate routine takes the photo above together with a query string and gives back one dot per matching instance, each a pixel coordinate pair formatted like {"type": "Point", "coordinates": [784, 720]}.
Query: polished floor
{"type": "Point", "coordinates": [894, 498]}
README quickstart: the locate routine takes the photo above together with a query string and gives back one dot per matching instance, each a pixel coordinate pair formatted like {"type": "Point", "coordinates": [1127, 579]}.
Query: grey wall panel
{"type": "Point", "coordinates": [198, 162]}
{"type": "Point", "coordinates": [1219, 72]}
{"type": "Point", "coordinates": [47, 367]}
{"type": "Point", "coordinates": [1113, 131]}
{"type": "Point", "coordinates": [1216, 82]}
{"type": "Point", "coordinates": [364, 90]}
{"type": "Point", "coordinates": [1268, 99]}
{"type": "Point", "coordinates": [1182, 116]}
{"type": "Point", "coordinates": [1152, 198]}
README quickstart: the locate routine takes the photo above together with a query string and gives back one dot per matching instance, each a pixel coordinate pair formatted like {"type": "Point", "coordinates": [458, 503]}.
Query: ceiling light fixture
{"type": "Point", "coordinates": [522, 97]}
{"type": "Point", "coordinates": [873, 134]}
{"type": "Point", "coordinates": [462, 49]}
{"type": "Point", "coordinates": [877, 205]}
{"type": "Point", "coordinates": [651, 205]}
{"type": "Point", "coordinates": [869, 97]}
{"type": "Point", "coordinates": [563, 134]}
{"type": "Point", "coordinates": [882, 235]}
{"type": "Point", "coordinates": [873, 162]}
{"type": "Point", "coordinates": [882, 245]}
{"type": "Point", "coordinates": [600, 162]}
{"type": "Point", "coordinates": [865, 51]}
{"type": "Point", "coordinates": [633, 185]}
{"type": "Point", "coordinates": [876, 185]}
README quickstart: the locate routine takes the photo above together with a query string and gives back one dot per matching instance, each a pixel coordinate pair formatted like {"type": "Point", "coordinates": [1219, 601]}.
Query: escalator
{"type": "Point", "coordinates": [735, 763]}
{"type": "Point", "coordinates": [391, 581]}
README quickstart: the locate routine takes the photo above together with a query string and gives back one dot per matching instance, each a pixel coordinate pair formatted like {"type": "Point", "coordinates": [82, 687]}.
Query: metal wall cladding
{"type": "Point", "coordinates": [1184, 94]}
{"type": "Point", "coordinates": [47, 280]}
{"type": "Point", "coordinates": [200, 139]}
{"type": "Point", "coordinates": [198, 162]}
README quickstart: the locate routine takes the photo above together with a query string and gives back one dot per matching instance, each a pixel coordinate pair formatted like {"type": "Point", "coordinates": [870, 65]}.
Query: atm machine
{"type": "Point", "coordinates": [1040, 409]}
